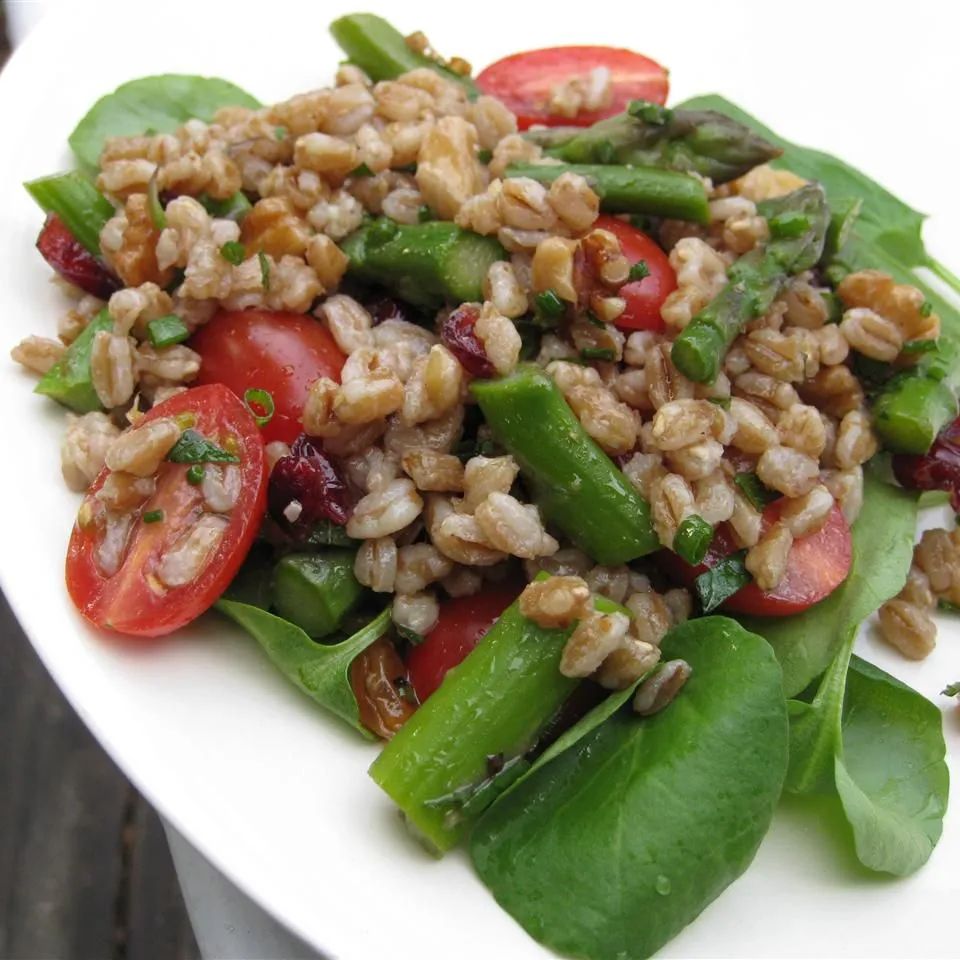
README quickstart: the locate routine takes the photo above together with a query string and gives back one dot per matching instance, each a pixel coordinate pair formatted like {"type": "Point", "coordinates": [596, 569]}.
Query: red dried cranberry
{"type": "Point", "coordinates": [456, 331]}
{"type": "Point", "coordinates": [310, 478]}
{"type": "Point", "coordinates": [937, 469]}
{"type": "Point", "coordinates": [61, 249]}
{"type": "Point", "coordinates": [386, 308]}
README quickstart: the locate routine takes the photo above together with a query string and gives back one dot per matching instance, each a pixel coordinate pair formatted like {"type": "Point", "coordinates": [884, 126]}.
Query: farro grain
{"type": "Point", "coordinates": [660, 689]}
{"type": "Point", "coordinates": [595, 637]}
{"type": "Point", "coordinates": [556, 602]}
{"type": "Point", "coordinates": [909, 628]}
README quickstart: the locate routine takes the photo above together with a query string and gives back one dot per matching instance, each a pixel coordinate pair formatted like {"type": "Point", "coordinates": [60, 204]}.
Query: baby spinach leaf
{"type": "Point", "coordinates": [882, 551]}
{"type": "Point", "coordinates": [321, 671]}
{"type": "Point", "coordinates": [609, 850]}
{"type": "Point", "coordinates": [159, 104]}
{"type": "Point", "coordinates": [891, 774]}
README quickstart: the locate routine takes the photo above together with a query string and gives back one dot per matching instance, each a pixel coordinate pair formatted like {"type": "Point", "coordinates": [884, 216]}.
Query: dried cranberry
{"type": "Point", "coordinates": [386, 308]}
{"type": "Point", "coordinates": [456, 331]}
{"type": "Point", "coordinates": [310, 478]}
{"type": "Point", "coordinates": [61, 249]}
{"type": "Point", "coordinates": [937, 469]}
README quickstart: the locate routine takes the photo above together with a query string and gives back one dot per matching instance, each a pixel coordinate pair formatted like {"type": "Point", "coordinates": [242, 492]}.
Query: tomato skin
{"type": "Point", "coordinates": [644, 297]}
{"type": "Point", "coordinates": [282, 353]}
{"type": "Point", "coordinates": [817, 565]}
{"type": "Point", "coordinates": [524, 81]}
{"type": "Point", "coordinates": [124, 602]}
{"type": "Point", "coordinates": [463, 622]}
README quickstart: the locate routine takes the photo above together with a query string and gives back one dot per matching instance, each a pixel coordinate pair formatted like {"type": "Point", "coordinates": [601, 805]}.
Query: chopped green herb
{"type": "Point", "coordinates": [233, 252]}
{"type": "Point", "coordinates": [280, 133]}
{"type": "Point", "coordinates": [362, 171]}
{"type": "Point", "coordinates": [548, 304]}
{"type": "Point", "coordinates": [192, 447]}
{"type": "Point", "coordinates": [153, 516]}
{"type": "Point", "coordinates": [693, 539]}
{"type": "Point", "coordinates": [649, 112]}
{"type": "Point", "coordinates": [598, 353]}
{"type": "Point", "coordinates": [790, 223]}
{"type": "Point", "coordinates": [424, 214]}
{"type": "Point", "coordinates": [262, 401]}
{"type": "Point", "coordinates": [325, 533]}
{"type": "Point", "coordinates": [833, 305]}
{"type": "Point", "coordinates": [484, 156]}
{"type": "Point", "coordinates": [593, 319]}
{"type": "Point", "coordinates": [919, 346]}
{"type": "Point", "coordinates": [264, 269]}
{"type": "Point", "coordinates": [753, 489]}
{"type": "Point", "coordinates": [234, 207]}
{"type": "Point", "coordinates": [195, 475]}
{"type": "Point", "coordinates": [723, 402]}
{"type": "Point", "coordinates": [639, 270]}
{"type": "Point", "coordinates": [157, 215]}
{"type": "Point", "coordinates": [926, 308]}
{"type": "Point", "coordinates": [952, 689]}
{"type": "Point", "coordinates": [722, 581]}
{"type": "Point", "coordinates": [166, 331]}
{"type": "Point", "coordinates": [411, 636]}
{"type": "Point", "coordinates": [947, 607]}
{"type": "Point", "coordinates": [643, 222]}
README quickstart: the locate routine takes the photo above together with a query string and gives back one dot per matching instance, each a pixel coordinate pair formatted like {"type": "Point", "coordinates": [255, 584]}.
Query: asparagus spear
{"type": "Point", "coordinates": [701, 141]}
{"type": "Point", "coordinates": [573, 481]}
{"type": "Point", "coordinates": [798, 224]}
{"type": "Point", "coordinates": [77, 202]}
{"type": "Point", "coordinates": [424, 263]}
{"type": "Point", "coordinates": [381, 51]}
{"type": "Point", "coordinates": [69, 381]}
{"type": "Point", "coordinates": [622, 189]}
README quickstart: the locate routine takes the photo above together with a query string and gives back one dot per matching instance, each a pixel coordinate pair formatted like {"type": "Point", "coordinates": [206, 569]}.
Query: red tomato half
{"type": "Point", "coordinates": [644, 297]}
{"type": "Point", "coordinates": [462, 624]}
{"type": "Point", "coordinates": [525, 81]}
{"type": "Point", "coordinates": [282, 353]}
{"type": "Point", "coordinates": [817, 565]}
{"type": "Point", "coordinates": [133, 600]}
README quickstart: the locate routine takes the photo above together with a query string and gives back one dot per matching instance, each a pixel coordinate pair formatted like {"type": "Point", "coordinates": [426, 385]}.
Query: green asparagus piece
{"type": "Point", "coordinates": [381, 51]}
{"type": "Point", "coordinates": [425, 264]}
{"type": "Point", "coordinates": [316, 590]}
{"type": "Point", "coordinates": [77, 202]}
{"type": "Point", "coordinates": [69, 380]}
{"type": "Point", "coordinates": [754, 282]}
{"type": "Point", "coordinates": [843, 217]}
{"type": "Point", "coordinates": [494, 704]}
{"type": "Point", "coordinates": [575, 484]}
{"type": "Point", "coordinates": [648, 135]}
{"type": "Point", "coordinates": [649, 190]}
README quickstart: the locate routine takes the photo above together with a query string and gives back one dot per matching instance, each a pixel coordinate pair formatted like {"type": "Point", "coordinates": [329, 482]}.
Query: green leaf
{"type": "Point", "coordinates": [753, 488]}
{"type": "Point", "coordinates": [69, 380]}
{"type": "Point", "coordinates": [320, 671]}
{"type": "Point", "coordinates": [882, 551]}
{"type": "Point", "coordinates": [951, 689]}
{"type": "Point", "coordinates": [611, 849]}
{"type": "Point", "coordinates": [161, 104]}
{"type": "Point", "coordinates": [722, 581]}
{"type": "Point", "coordinates": [891, 774]}
{"type": "Point", "coordinates": [193, 447]}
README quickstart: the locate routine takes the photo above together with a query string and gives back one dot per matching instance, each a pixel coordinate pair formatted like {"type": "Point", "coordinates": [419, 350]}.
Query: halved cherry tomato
{"type": "Point", "coordinates": [525, 81]}
{"type": "Point", "coordinates": [133, 600]}
{"type": "Point", "coordinates": [817, 565]}
{"type": "Point", "coordinates": [282, 353]}
{"type": "Point", "coordinates": [462, 624]}
{"type": "Point", "coordinates": [644, 297]}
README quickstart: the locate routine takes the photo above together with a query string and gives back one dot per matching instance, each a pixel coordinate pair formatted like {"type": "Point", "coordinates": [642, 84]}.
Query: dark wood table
{"type": "Point", "coordinates": [85, 873]}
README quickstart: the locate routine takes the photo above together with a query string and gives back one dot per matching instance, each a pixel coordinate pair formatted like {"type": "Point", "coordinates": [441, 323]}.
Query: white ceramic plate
{"type": "Point", "coordinates": [267, 786]}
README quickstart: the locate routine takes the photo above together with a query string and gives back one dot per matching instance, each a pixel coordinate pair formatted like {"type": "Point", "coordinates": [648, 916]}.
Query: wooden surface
{"type": "Point", "coordinates": [85, 873]}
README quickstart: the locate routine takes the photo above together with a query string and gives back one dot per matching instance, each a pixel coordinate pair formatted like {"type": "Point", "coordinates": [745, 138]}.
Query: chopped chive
{"type": "Point", "coordinates": [261, 400]}
{"type": "Point", "coordinates": [919, 346]}
{"type": "Point", "coordinates": [484, 156]}
{"type": "Point", "coordinates": [166, 331]}
{"type": "Point", "coordinates": [722, 581]}
{"type": "Point", "coordinates": [751, 486]}
{"type": "Point", "coordinates": [280, 133]}
{"type": "Point", "coordinates": [153, 516]}
{"type": "Point", "coordinates": [424, 214]}
{"type": "Point", "coordinates": [264, 269]}
{"type": "Point", "coordinates": [951, 689]}
{"type": "Point", "coordinates": [234, 207]}
{"type": "Point", "coordinates": [947, 606]}
{"type": "Point", "coordinates": [789, 224]}
{"type": "Point", "coordinates": [549, 304]}
{"type": "Point", "coordinates": [598, 353]}
{"type": "Point", "coordinates": [593, 319]}
{"type": "Point", "coordinates": [926, 308]}
{"type": "Point", "coordinates": [361, 171]}
{"type": "Point", "coordinates": [693, 539]}
{"type": "Point", "coordinates": [720, 402]}
{"type": "Point", "coordinates": [233, 252]}
{"type": "Point", "coordinates": [643, 223]}
{"type": "Point", "coordinates": [195, 475]}
{"type": "Point", "coordinates": [157, 215]}
{"type": "Point", "coordinates": [639, 270]}
{"type": "Point", "coordinates": [192, 447]}
{"type": "Point", "coordinates": [411, 636]}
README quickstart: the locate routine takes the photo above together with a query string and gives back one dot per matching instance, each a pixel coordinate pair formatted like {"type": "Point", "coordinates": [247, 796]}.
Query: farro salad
{"type": "Point", "coordinates": [558, 438]}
